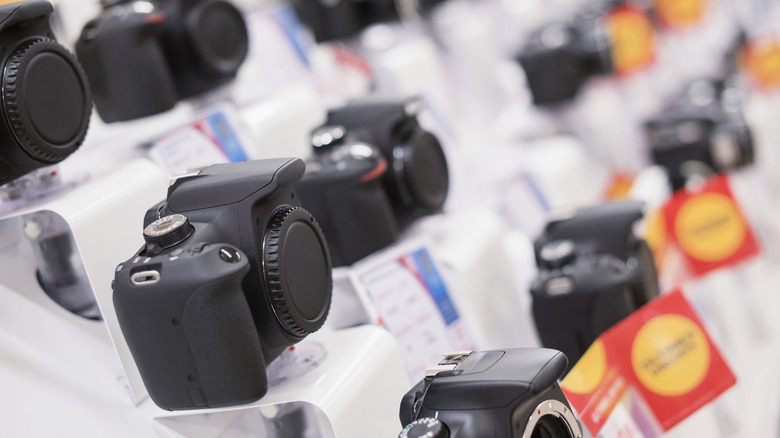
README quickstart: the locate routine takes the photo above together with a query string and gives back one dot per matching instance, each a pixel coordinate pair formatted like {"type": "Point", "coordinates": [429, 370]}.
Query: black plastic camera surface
{"type": "Point", "coordinates": [342, 187]}
{"type": "Point", "coordinates": [339, 19]}
{"type": "Point", "coordinates": [142, 57]}
{"type": "Point", "coordinates": [417, 176]}
{"type": "Point", "coordinates": [189, 327]}
{"type": "Point", "coordinates": [250, 210]}
{"type": "Point", "coordinates": [593, 272]}
{"type": "Point", "coordinates": [702, 132]}
{"type": "Point", "coordinates": [510, 393]}
{"type": "Point", "coordinates": [46, 102]}
{"type": "Point", "coordinates": [560, 57]}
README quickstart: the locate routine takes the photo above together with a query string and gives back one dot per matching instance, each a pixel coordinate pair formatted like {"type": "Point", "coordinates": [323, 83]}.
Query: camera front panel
{"type": "Point", "coordinates": [189, 327]}
{"type": "Point", "coordinates": [572, 310]}
{"type": "Point", "coordinates": [342, 188]}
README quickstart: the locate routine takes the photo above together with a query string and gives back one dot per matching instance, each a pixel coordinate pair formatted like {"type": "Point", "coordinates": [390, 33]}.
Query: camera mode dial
{"type": "Point", "coordinates": [425, 428]}
{"type": "Point", "coordinates": [168, 231]}
{"type": "Point", "coordinates": [557, 253]}
{"type": "Point", "coordinates": [46, 99]}
{"type": "Point", "coordinates": [297, 270]}
{"type": "Point", "coordinates": [327, 136]}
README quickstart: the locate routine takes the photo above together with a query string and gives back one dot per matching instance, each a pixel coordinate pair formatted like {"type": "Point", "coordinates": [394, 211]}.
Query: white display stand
{"type": "Point", "coordinates": [354, 393]}
{"type": "Point", "coordinates": [105, 216]}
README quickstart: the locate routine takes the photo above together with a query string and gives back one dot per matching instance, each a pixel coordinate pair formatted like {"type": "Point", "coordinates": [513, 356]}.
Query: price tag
{"type": "Point", "coordinates": [663, 352]}
{"type": "Point", "coordinates": [619, 186]}
{"type": "Point", "coordinates": [760, 59]}
{"type": "Point", "coordinates": [209, 140]}
{"type": "Point", "coordinates": [633, 39]}
{"type": "Point", "coordinates": [413, 303]}
{"type": "Point", "coordinates": [709, 228]}
{"type": "Point", "coordinates": [678, 14]}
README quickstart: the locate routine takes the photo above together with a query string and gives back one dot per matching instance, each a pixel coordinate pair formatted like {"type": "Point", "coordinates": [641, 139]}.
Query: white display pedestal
{"type": "Point", "coordinates": [354, 393]}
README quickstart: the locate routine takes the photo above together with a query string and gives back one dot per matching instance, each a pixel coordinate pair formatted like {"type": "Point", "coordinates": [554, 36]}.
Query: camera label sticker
{"type": "Point", "coordinates": [662, 353]}
{"type": "Point", "coordinates": [709, 227]}
{"type": "Point", "coordinates": [414, 305]}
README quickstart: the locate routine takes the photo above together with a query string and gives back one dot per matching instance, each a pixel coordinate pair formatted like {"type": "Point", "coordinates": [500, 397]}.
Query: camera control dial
{"type": "Point", "coordinates": [168, 231]}
{"type": "Point", "coordinates": [425, 427]}
{"type": "Point", "coordinates": [297, 270]}
{"type": "Point", "coordinates": [557, 253]}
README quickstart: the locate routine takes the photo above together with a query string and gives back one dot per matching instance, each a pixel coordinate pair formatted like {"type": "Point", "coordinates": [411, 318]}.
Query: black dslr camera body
{"type": "Point", "coordinates": [417, 176]}
{"type": "Point", "coordinates": [593, 272]}
{"type": "Point", "coordinates": [46, 102]}
{"type": "Point", "coordinates": [560, 57]}
{"type": "Point", "coordinates": [233, 272]}
{"type": "Point", "coordinates": [511, 393]}
{"type": "Point", "coordinates": [702, 132]}
{"type": "Point", "coordinates": [142, 57]}
{"type": "Point", "coordinates": [343, 188]}
{"type": "Point", "coordinates": [338, 19]}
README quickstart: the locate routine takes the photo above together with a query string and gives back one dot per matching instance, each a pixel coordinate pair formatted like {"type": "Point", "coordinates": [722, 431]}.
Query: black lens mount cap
{"type": "Point", "coordinates": [425, 171]}
{"type": "Point", "coordinates": [425, 427]}
{"type": "Point", "coordinates": [218, 35]}
{"type": "Point", "coordinates": [46, 99]}
{"type": "Point", "coordinates": [297, 270]}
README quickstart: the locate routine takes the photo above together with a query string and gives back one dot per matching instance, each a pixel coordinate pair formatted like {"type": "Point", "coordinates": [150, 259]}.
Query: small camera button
{"type": "Point", "coordinates": [176, 252]}
{"type": "Point", "coordinates": [229, 255]}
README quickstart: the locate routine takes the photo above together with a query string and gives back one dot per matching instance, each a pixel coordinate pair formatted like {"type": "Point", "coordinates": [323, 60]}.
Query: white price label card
{"type": "Point", "coordinates": [412, 301]}
{"type": "Point", "coordinates": [209, 140]}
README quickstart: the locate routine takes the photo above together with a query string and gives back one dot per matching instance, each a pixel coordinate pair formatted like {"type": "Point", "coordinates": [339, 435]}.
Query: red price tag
{"type": "Point", "coordinates": [664, 352]}
{"type": "Point", "coordinates": [709, 228]}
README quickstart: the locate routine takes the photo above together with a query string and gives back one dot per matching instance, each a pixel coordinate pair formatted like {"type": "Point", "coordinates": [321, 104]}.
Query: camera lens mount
{"type": "Point", "coordinates": [297, 270]}
{"type": "Point", "coordinates": [46, 99]}
{"type": "Point", "coordinates": [552, 419]}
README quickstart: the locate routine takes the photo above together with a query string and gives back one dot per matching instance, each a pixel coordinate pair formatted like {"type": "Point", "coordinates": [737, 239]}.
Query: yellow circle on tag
{"type": "Point", "coordinates": [710, 227]}
{"type": "Point", "coordinates": [670, 355]}
{"type": "Point", "coordinates": [633, 39]}
{"type": "Point", "coordinates": [761, 61]}
{"type": "Point", "coordinates": [589, 371]}
{"type": "Point", "coordinates": [681, 13]}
